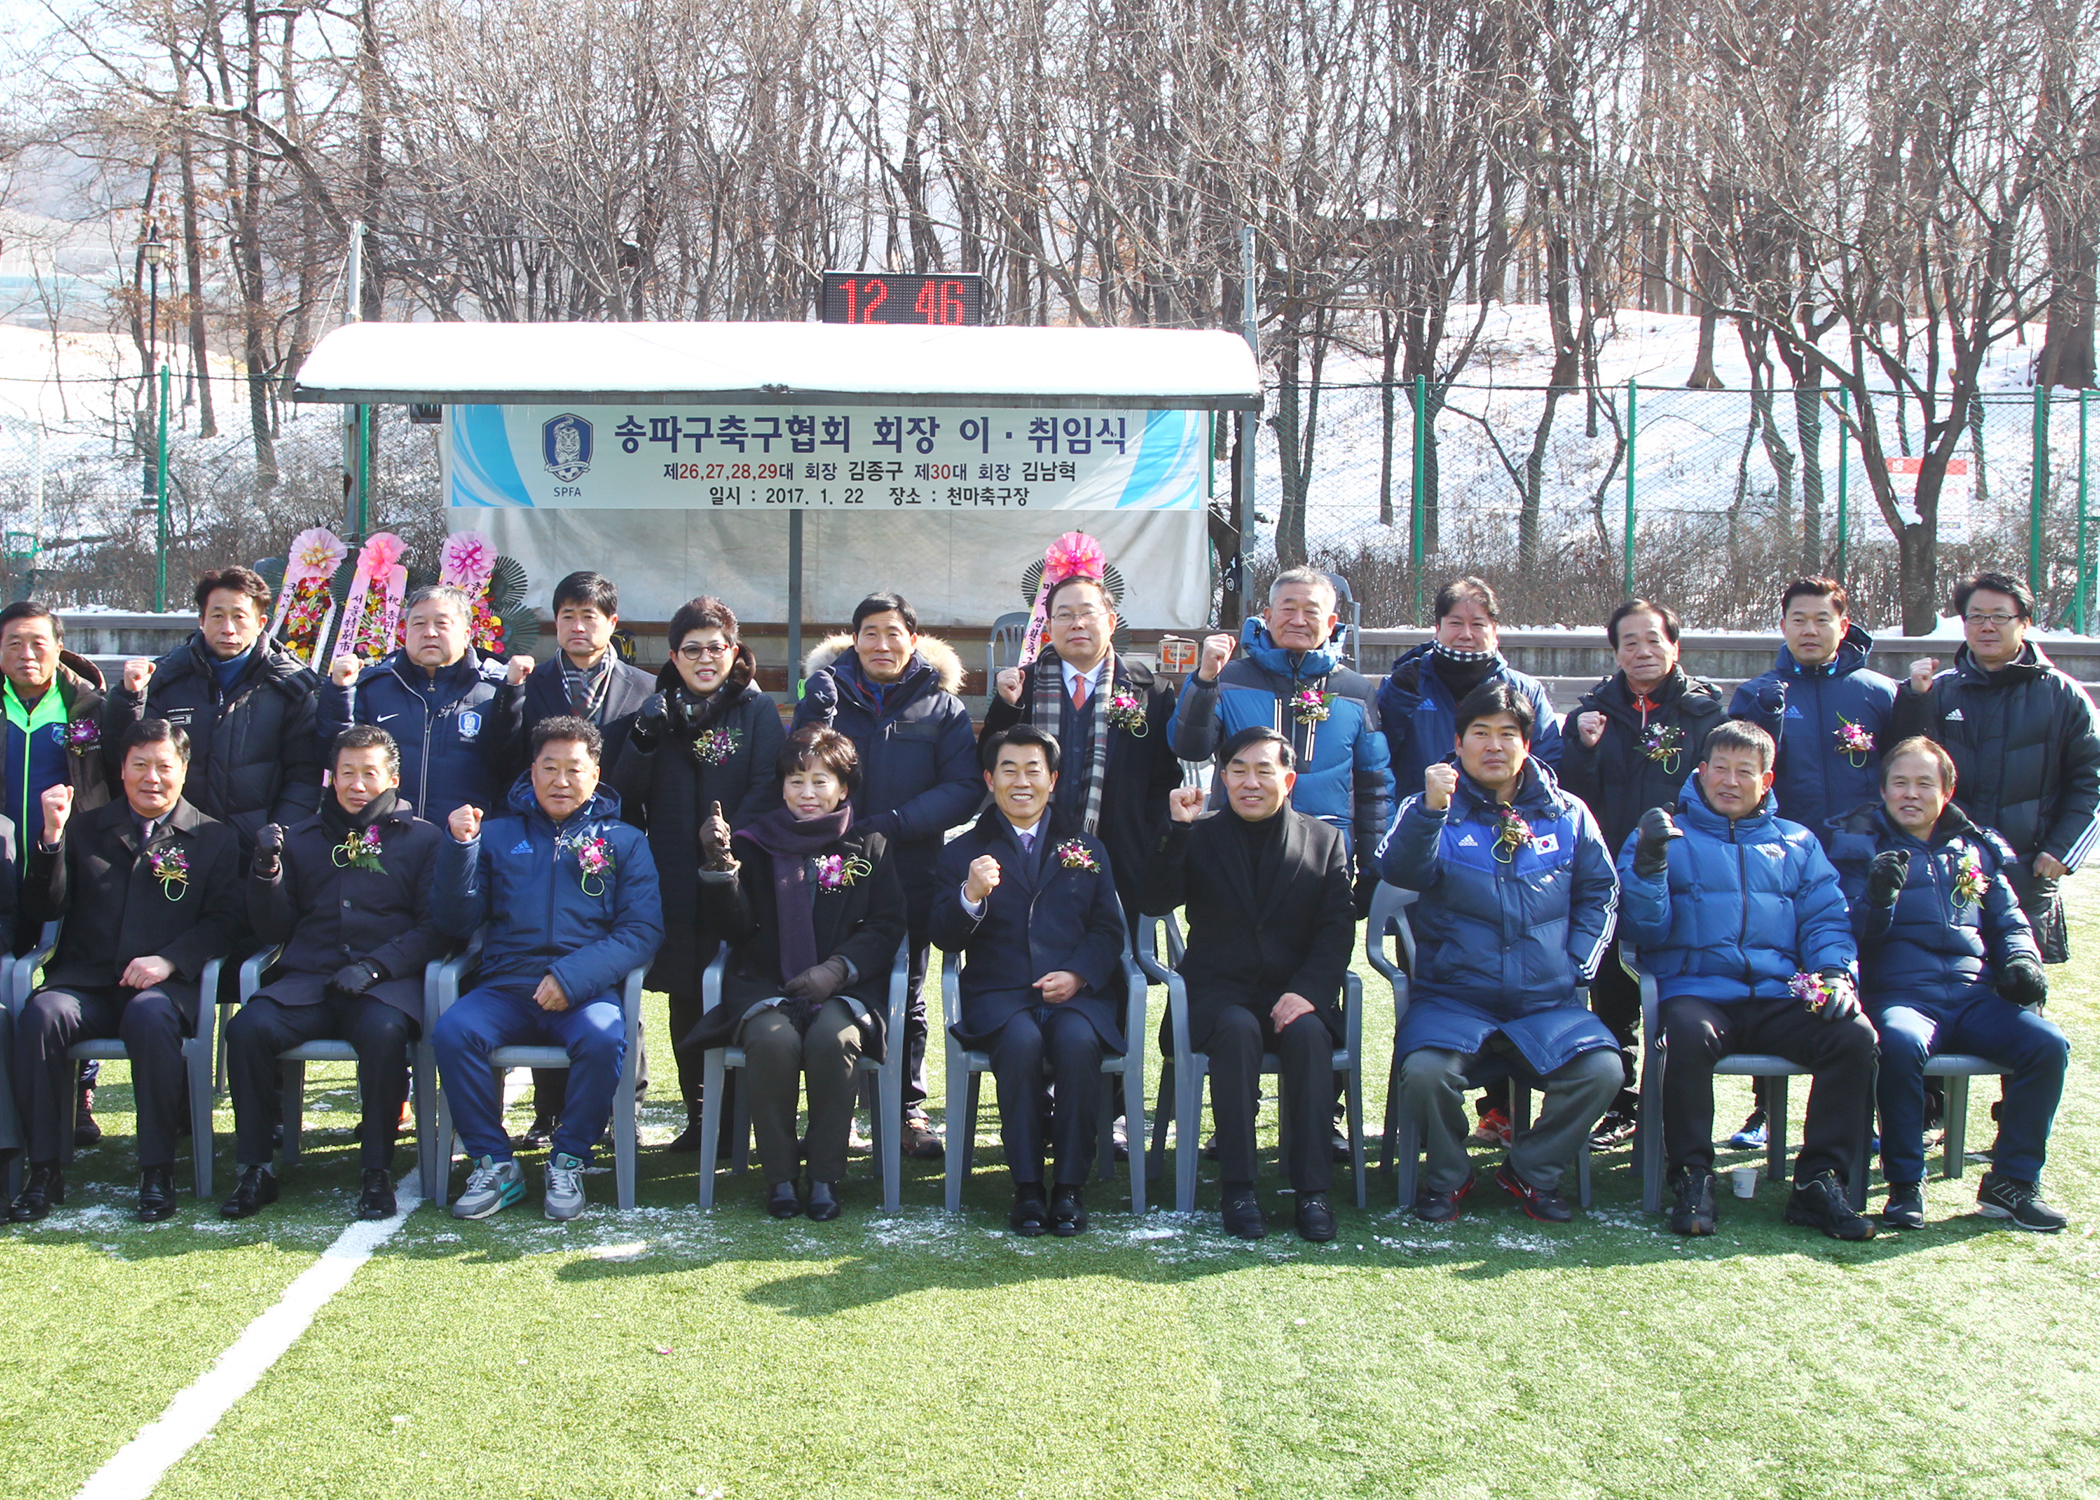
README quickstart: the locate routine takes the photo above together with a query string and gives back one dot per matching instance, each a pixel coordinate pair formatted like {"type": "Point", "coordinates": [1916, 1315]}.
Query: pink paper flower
{"type": "Point", "coordinates": [1073, 555]}
{"type": "Point", "coordinates": [316, 553]}
{"type": "Point", "coordinates": [467, 560]}
{"type": "Point", "coordinates": [381, 551]}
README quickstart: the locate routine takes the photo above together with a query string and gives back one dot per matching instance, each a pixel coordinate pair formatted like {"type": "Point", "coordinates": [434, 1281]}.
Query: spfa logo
{"type": "Point", "coordinates": [565, 442]}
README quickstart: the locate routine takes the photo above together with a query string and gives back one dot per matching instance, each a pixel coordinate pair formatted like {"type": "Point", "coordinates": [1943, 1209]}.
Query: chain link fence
{"type": "Point", "coordinates": [1731, 494]}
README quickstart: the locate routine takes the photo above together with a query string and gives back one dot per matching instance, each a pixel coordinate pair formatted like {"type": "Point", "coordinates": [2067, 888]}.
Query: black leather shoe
{"type": "Point", "coordinates": [1242, 1215]}
{"type": "Point", "coordinates": [1441, 1208]}
{"type": "Point", "coordinates": [782, 1201]}
{"type": "Point", "coordinates": [156, 1195]}
{"type": "Point", "coordinates": [536, 1135]}
{"type": "Point", "coordinates": [1030, 1215]}
{"type": "Point", "coordinates": [257, 1188]}
{"type": "Point", "coordinates": [823, 1203]}
{"type": "Point", "coordinates": [1315, 1218]}
{"type": "Point", "coordinates": [1338, 1146]}
{"type": "Point", "coordinates": [45, 1190]}
{"type": "Point", "coordinates": [920, 1141]}
{"type": "Point", "coordinates": [1067, 1211]}
{"type": "Point", "coordinates": [376, 1200]}
{"type": "Point", "coordinates": [86, 1132]}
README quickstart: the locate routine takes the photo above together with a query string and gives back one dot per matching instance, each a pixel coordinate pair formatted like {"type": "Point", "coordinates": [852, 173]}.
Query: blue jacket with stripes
{"type": "Point", "coordinates": [1505, 934]}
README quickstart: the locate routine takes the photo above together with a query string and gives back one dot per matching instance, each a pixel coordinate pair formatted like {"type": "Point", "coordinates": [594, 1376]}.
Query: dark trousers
{"type": "Point", "coordinates": [778, 1057]}
{"type": "Point", "coordinates": [150, 1023]}
{"type": "Point", "coordinates": [376, 1031]}
{"type": "Point", "coordinates": [915, 1024]}
{"type": "Point", "coordinates": [1305, 1069]}
{"type": "Point", "coordinates": [1067, 1041]}
{"type": "Point", "coordinates": [1989, 1026]}
{"type": "Point", "coordinates": [1840, 1055]}
{"type": "Point", "coordinates": [1615, 999]}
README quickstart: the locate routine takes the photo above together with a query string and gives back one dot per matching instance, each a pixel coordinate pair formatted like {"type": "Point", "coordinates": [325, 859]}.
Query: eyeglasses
{"type": "Point", "coordinates": [698, 652]}
{"type": "Point", "coordinates": [1999, 621]}
{"type": "Point", "coordinates": [1076, 616]}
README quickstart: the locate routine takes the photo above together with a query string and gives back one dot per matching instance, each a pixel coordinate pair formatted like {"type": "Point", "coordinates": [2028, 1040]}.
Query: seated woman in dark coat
{"type": "Point", "coordinates": [813, 913]}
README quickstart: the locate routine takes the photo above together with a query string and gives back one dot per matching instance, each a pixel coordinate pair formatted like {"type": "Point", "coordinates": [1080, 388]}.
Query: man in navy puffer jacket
{"type": "Point", "coordinates": [1518, 901]}
{"type": "Point", "coordinates": [1738, 915]}
{"type": "Point", "coordinates": [1949, 964]}
{"type": "Point", "coordinates": [570, 896]}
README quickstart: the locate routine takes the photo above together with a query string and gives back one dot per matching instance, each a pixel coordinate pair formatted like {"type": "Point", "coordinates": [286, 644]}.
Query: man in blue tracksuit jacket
{"type": "Point", "coordinates": [1418, 701]}
{"type": "Point", "coordinates": [1948, 964]}
{"type": "Point", "coordinates": [1518, 903]}
{"type": "Point", "coordinates": [1817, 700]}
{"type": "Point", "coordinates": [456, 715]}
{"type": "Point", "coordinates": [1737, 914]}
{"type": "Point", "coordinates": [1292, 680]}
{"type": "Point", "coordinates": [570, 898]}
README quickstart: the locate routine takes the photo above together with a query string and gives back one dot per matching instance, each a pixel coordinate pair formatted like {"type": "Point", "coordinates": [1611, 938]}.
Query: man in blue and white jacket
{"type": "Point", "coordinates": [1737, 914]}
{"type": "Point", "coordinates": [1292, 680]}
{"type": "Point", "coordinates": [1518, 903]}
{"type": "Point", "coordinates": [570, 897]}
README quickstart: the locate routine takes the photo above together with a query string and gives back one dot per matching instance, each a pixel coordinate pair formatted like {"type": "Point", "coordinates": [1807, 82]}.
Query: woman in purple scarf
{"type": "Point", "coordinates": [813, 913]}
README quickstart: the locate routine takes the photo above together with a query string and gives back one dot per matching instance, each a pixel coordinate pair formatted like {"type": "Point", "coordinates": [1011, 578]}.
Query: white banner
{"type": "Point", "coordinates": [849, 459]}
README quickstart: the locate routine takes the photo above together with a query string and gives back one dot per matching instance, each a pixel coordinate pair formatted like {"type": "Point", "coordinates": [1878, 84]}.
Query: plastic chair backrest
{"type": "Point", "coordinates": [1389, 905]}
{"type": "Point", "coordinates": [1004, 648]}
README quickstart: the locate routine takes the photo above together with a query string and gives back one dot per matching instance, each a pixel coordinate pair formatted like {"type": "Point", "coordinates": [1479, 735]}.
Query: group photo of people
{"type": "Point", "coordinates": [1848, 873]}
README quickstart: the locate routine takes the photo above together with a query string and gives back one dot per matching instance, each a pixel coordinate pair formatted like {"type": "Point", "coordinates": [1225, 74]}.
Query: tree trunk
{"type": "Point", "coordinates": [193, 268]}
{"type": "Point", "coordinates": [1808, 429]}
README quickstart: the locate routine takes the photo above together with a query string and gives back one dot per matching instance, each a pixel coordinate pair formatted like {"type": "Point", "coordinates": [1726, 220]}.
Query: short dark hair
{"type": "Point", "coordinates": [703, 613]}
{"type": "Point", "coordinates": [1932, 750]}
{"type": "Point", "coordinates": [154, 732]}
{"type": "Point", "coordinates": [814, 746]}
{"type": "Point", "coordinates": [1816, 588]}
{"type": "Point", "coordinates": [1739, 734]}
{"type": "Point", "coordinates": [1459, 590]}
{"type": "Point", "coordinates": [366, 737]}
{"type": "Point", "coordinates": [1672, 626]}
{"type": "Point", "coordinates": [1995, 583]}
{"type": "Point", "coordinates": [568, 727]}
{"type": "Point", "coordinates": [882, 604]}
{"type": "Point", "coordinates": [33, 609]}
{"type": "Point", "coordinates": [592, 590]}
{"type": "Point", "coordinates": [1257, 734]}
{"type": "Point", "coordinates": [235, 579]}
{"type": "Point", "coordinates": [1022, 734]}
{"type": "Point", "coordinates": [1490, 699]}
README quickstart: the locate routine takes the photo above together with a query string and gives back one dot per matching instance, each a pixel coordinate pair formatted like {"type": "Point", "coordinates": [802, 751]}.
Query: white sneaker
{"type": "Point", "coordinates": [564, 1198]}
{"type": "Point", "coordinates": [491, 1186]}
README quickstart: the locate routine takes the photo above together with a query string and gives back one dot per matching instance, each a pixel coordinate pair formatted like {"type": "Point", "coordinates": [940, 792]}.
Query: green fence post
{"type": "Point", "coordinates": [1414, 498]}
{"type": "Point", "coordinates": [2079, 600]}
{"type": "Point", "coordinates": [2037, 490]}
{"type": "Point", "coordinates": [1844, 472]}
{"type": "Point", "coordinates": [160, 499]}
{"type": "Point", "coordinates": [1632, 401]}
{"type": "Point", "coordinates": [364, 471]}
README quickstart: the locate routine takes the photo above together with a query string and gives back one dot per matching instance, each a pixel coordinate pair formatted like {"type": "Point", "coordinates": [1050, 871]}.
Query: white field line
{"type": "Point", "coordinates": [135, 1470]}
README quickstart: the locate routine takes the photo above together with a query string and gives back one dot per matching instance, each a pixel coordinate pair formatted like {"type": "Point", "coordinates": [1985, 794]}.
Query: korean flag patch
{"type": "Point", "coordinates": [469, 724]}
{"type": "Point", "coordinates": [1545, 843]}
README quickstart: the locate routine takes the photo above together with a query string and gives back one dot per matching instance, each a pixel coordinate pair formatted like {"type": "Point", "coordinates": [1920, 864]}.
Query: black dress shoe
{"type": "Point", "coordinates": [1315, 1218]}
{"type": "Point", "coordinates": [1338, 1146]}
{"type": "Point", "coordinates": [86, 1132]}
{"type": "Point", "coordinates": [1030, 1215]}
{"type": "Point", "coordinates": [1243, 1216]}
{"type": "Point", "coordinates": [45, 1190]}
{"type": "Point", "coordinates": [1068, 1211]}
{"type": "Point", "coordinates": [536, 1135]}
{"type": "Point", "coordinates": [782, 1201]}
{"type": "Point", "coordinates": [823, 1203]}
{"type": "Point", "coordinates": [920, 1141]}
{"type": "Point", "coordinates": [257, 1188]}
{"type": "Point", "coordinates": [156, 1195]}
{"type": "Point", "coordinates": [376, 1201]}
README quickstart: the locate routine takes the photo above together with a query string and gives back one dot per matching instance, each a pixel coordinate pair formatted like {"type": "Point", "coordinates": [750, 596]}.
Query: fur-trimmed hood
{"type": "Point", "coordinates": [947, 666]}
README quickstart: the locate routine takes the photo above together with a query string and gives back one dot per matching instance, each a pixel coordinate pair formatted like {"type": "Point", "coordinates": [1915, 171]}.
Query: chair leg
{"type": "Point", "coordinates": [1162, 1116]}
{"type": "Point", "coordinates": [423, 1085]}
{"type": "Point", "coordinates": [292, 1088]}
{"type": "Point", "coordinates": [740, 1143]}
{"type": "Point", "coordinates": [1856, 1189]}
{"type": "Point", "coordinates": [888, 1133]}
{"type": "Point", "coordinates": [443, 1145]}
{"type": "Point", "coordinates": [624, 1126]}
{"type": "Point", "coordinates": [1775, 1127]}
{"type": "Point", "coordinates": [1134, 1132]}
{"type": "Point", "coordinates": [1188, 1136]}
{"type": "Point", "coordinates": [710, 1122]}
{"type": "Point", "coordinates": [1387, 1138]}
{"type": "Point", "coordinates": [1648, 1133]}
{"type": "Point", "coordinates": [197, 1053]}
{"type": "Point", "coordinates": [1582, 1172]}
{"type": "Point", "coordinates": [1407, 1159]}
{"type": "Point", "coordinates": [1356, 1131]}
{"type": "Point", "coordinates": [1954, 1157]}
{"type": "Point", "coordinates": [961, 1138]}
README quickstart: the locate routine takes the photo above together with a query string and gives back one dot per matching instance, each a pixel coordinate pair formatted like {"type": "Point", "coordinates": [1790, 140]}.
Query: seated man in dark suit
{"type": "Point", "coordinates": [151, 892]}
{"type": "Point", "coordinates": [1271, 919]}
{"type": "Point", "coordinates": [347, 891]}
{"type": "Point", "coordinates": [1036, 921]}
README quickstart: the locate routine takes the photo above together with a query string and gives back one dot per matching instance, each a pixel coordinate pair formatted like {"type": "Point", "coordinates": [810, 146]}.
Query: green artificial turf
{"type": "Point", "coordinates": [663, 1352]}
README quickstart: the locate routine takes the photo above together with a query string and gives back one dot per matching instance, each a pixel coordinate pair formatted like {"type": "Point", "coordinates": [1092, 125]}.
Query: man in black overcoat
{"type": "Point", "coordinates": [1271, 918]}
{"type": "Point", "coordinates": [1033, 914]}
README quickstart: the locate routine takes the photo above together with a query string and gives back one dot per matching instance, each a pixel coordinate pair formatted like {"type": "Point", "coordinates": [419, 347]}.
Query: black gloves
{"type": "Point", "coordinates": [819, 982]}
{"type": "Point", "coordinates": [1366, 888]}
{"type": "Point", "coordinates": [354, 979]}
{"type": "Point", "coordinates": [269, 850]}
{"type": "Point", "coordinates": [1885, 877]}
{"type": "Point", "coordinates": [1840, 999]}
{"type": "Point", "coordinates": [651, 723]}
{"type": "Point", "coordinates": [1771, 697]}
{"type": "Point", "coordinates": [822, 695]}
{"type": "Point", "coordinates": [2021, 980]}
{"type": "Point", "coordinates": [1651, 850]}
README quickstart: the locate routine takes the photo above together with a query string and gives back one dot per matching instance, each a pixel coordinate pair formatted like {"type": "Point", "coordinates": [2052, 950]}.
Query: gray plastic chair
{"type": "Point", "coordinates": [1003, 649]}
{"type": "Point", "coordinates": [422, 1068]}
{"type": "Point", "coordinates": [886, 1120]}
{"type": "Point", "coordinates": [1181, 1076]}
{"type": "Point", "coordinates": [1958, 1068]}
{"type": "Point", "coordinates": [1774, 1070]}
{"type": "Point", "coordinates": [197, 1052]}
{"type": "Point", "coordinates": [966, 1070]}
{"type": "Point", "coordinates": [445, 993]}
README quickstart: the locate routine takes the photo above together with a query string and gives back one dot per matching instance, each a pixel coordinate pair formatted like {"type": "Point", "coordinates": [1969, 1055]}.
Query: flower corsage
{"type": "Point", "coordinates": [594, 861]}
{"type": "Point", "coordinates": [836, 871]}
{"type": "Point", "coordinates": [81, 735]}
{"type": "Point", "coordinates": [171, 867]}
{"type": "Point", "coordinates": [1810, 989]}
{"type": "Point", "coordinates": [1309, 705]}
{"type": "Point", "coordinates": [1663, 744]}
{"type": "Point", "coordinates": [1126, 711]}
{"type": "Point", "coordinates": [1074, 855]}
{"type": "Point", "coordinates": [715, 746]}
{"type": "Point", "coordinates": [1511, 834]}
{"type": "Point", "coordinates": [359, 850]}
{"type": "Point", "coordinates": [1970, 883]}
{"type": "Point", "coordinates": [1854, 741]}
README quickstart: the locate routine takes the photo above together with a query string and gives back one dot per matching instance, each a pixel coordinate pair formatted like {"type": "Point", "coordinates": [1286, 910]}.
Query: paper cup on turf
{"type": "Point", "coordinates": [1744, 1180]}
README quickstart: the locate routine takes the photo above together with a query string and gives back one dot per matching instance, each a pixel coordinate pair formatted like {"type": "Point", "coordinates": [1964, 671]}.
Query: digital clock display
{"type": "Point", "coordinates": [953, 298]}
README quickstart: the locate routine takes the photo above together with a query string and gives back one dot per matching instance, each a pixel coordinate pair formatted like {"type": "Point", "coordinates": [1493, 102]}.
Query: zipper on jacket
{"type": "Point", "coordinates": [1742, 937]}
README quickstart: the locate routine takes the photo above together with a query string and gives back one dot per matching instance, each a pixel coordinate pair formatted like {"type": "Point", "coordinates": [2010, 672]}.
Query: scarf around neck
{"type": "Point", "coordinates": [339, 822]}
{"type": "Point", "coordinates": [791, 844]}
{"type": "Point", "coordinates": [1048, 704]}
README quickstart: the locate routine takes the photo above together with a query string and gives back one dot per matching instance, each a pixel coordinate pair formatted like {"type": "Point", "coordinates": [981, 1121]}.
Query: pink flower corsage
{"type": "Point", "coordinates": [1310, 706]}
{"type": "Point", "coordinates": [1074, 855]}
{"type": "Point", "coordinates": [82, 735]}
{"type": "Point", "coordinates": [1970, 883]}
{"type": "Point", "coordinates": [716, 746]}
{"type": "Point", "coordinates": [1511, 834]}
{"type": "Point", "coordinates": [1126, 711]}
{"type": "Point", "coordinates": [359, 850]}
{"type": "Point", "coordinates": [835, 871]}
{"type": "Point", "coordinates": [1809, 989]}
{"type": "Point", "coordinates": [1854, 741]}
{"type": "Point", "coordinates": [594, 861]}
{"type": "Point", "coordinates": [171, 867]}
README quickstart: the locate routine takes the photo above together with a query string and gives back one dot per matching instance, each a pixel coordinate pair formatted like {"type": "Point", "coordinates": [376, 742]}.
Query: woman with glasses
{"type": "Point", "coordinates": [708, 736]}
